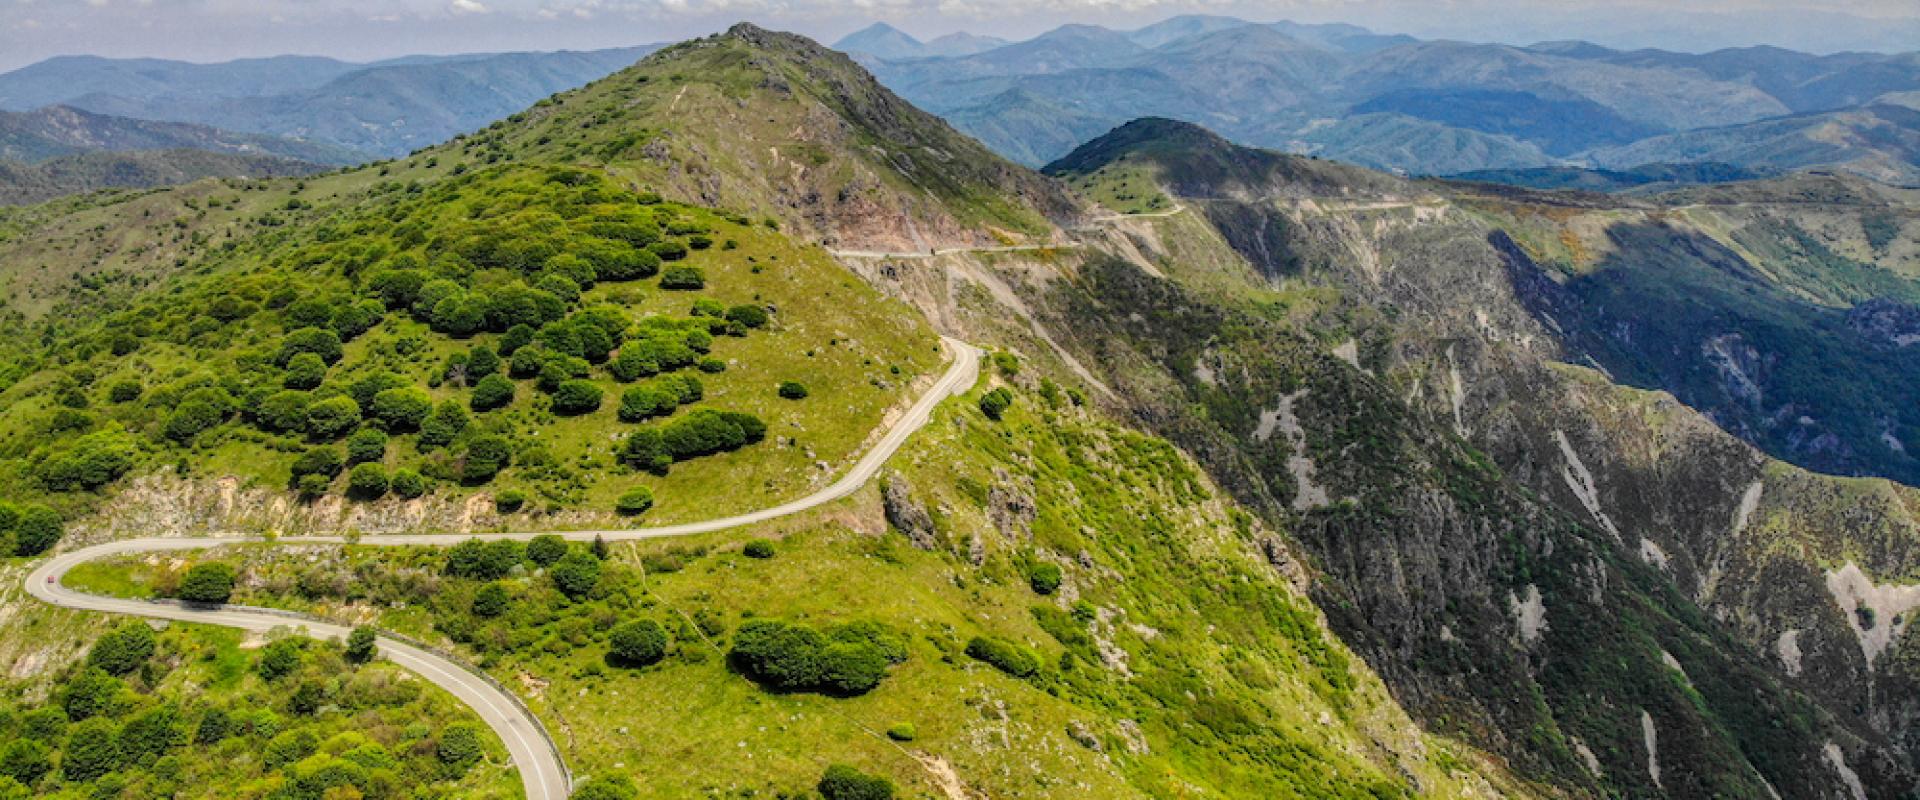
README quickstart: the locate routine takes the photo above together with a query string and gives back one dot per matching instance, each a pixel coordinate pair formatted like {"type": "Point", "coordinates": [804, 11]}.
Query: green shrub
{"type": "Point", "coordinates": [408, 483]}
{"type": "Point", "coordinates": [902, 732]}
{"type": "Point", "coordinates": [93, 750]}
{"type": "Point", "coordinates": [485, 457]}
{"type": "Point", "coordinates": [459, 748]}
{"type": "Point", "coordinates": [841, 782]}
{"type": "Point", "coordinates": [362, 644]}
{"type": "Point", "coordinates": [758, 548]}
{"type": "Point", "coordinates": [318, 341]}
{"type": "Point", "coordinates": [634, 502]}
{"type": "Point", "coordinates": [279, 659]}
{"type": "Point", "coordinates": [491, 601]}
{"type": "Point", "coordinates": [25, 761]}
{"type": "Point", "coordinates": [683, 279]}
{"type": "Point", "coordinates": [446, 422]}
{"type": "Point", "coordinates": [748, 316]}
{"type": "Point", "coordinates": [323, 461]}
{"type": "Point", "coordinates": [637, 644]}
{"type": "Point", "coordinates": [706, 431]}
{"type": "Point", "coordinates": [482, 362]}
{"type": "Point", "coordinates": [795, 658]}
{"type": "Point", "coordinates": [367, 481]}
{"type": "Point", "coordinates": [1004, 656]}
{"type": "Point", "coordinates": [304, 371]}
{"type": "Point", "coordinates": [996, 402]}
{"type": "Point", "coordinates": [668, 250]}
{"type": "Point", "coordinates": [493, 391]}
{"type": "Point", "coordinates": [209, 582]}
{"type": "Point", "coordinates": [37, 531]}
{"type": "Point", "coordinates": [546, 549]}
{"type": "Point", "coordinates": [1044, 577]}
{"type": "Point", "coordinates": [483, 560]}
{"type": "Point", "coordinates": [402, 408]}
{"type": "Point", "coordinates": [190, 418]}
{"type": "Point", "coordinates": [509, 501]}
{"type": "Point", "coordinates": [711, 365]}
{"type": "Point", "coordinates": [91, 693]}
{"type": "Point", "coordinates": [576, 574]}
{"type": "Point", "coordinates": [332, 418]}
{"type": "Point", "coordinates": [607, 787]}
{"type": "Point", "coordinates": [576, 397]}
{"type": "Point", "coordinates": [366, 444]}
{"type": "Point", "coordinates": [123, 649]}
{"type": "Point", "coordinates": [641, 403]}
{"type": "Point", "coordinates": [125, 391]}
{"type": "Point", "coordinates": [792, 390]}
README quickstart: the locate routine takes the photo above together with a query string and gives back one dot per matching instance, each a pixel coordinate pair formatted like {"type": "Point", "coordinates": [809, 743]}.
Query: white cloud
{"type": "Point", "coordinates": [468, 7]}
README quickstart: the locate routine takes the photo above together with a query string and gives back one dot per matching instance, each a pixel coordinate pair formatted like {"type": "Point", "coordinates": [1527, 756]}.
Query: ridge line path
{"type": "Point", "coordinates": [542, 771]}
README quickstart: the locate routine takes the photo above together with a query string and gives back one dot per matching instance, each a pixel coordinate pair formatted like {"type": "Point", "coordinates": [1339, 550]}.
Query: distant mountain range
{"type": "Point", "coordinates": [385, 108]}
{"type": "Point", "coordinates": [57, 131]}
{"type": "Point", "coordinates": [22, 182]}
{"type": "Point", "coordinates": [1419, 107]}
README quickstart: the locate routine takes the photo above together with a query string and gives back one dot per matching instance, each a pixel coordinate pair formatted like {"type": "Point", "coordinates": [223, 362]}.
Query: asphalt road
{"type": "Point", "coordinates": [541, 769]}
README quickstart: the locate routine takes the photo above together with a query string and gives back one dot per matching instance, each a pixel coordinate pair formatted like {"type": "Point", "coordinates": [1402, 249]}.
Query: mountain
{"type": "Point", "coordinates": [329, 352]}
{"type": "Point", "coordinates": [1878, 141]}
{"type": "Point", "coordinates": [1643, 178]}
{"type": "Point", "coordinates": [1558, 127]}
{"type": "Point", "coordinates": [23, 183]}
{"type": "Point", "coordinates": [883, 41]}
{"type": "Point", "coordinates": [1414, 146]}
{"type": "Point", "coordinates": [385, 108]}
{"type": "Point", "coordinates": [1421, 107]}
{"type": "Point", "coordinates": [1522, 322]}
{"type": "Point", "coordinates": [61, 131]}
{"type": "Point", "coordinates": [1181, 27]}
{"type": "Point", "coordinates": [66, 78]}
{"type": "Point", "coordinates": [1280, 478]}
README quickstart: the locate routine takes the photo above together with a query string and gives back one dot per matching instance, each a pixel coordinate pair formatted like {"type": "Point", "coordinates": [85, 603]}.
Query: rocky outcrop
{"type": "Point", "coordinates": [906, 514]}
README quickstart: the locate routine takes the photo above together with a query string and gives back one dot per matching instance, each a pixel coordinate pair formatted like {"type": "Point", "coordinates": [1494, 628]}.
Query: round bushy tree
{"type": "Point", "coordinates": [575, 574]}
{"type": "Point", "coordinates": [576, 397]}
{"type": "Point", "coordinates": [304, 371]}
{"type": "Point", "coordinates": [362, 644]}
{"type": "Point", "coordinates": [493, 391]}
{"type": "Point", "coordinates": [332, 418]}
{"type": "Point", "coordinates": [408, 483]}
{"type": "Point", "coordinates": [638, 644]}
{"type": "Point", "coordinates": [37, 531]}
{"type": "Point", "coordinates": [208, 582]}
{"type": "Point", "coordinates": [748, 316]}
{"type": "Point", "coordinates": [123, 649]}
{"type": "Point", "coordinates": [793, 390]}
{"type": "Point", "coordinates": [367, 481]}
{"type": "Point", "coordinates": [403, 408]}
{"type": "Point", "coordinates": [607, 787]}
{"type": "Point", "coordinates": [366, 444]}
{"type": "Point", "coordinates": [683, 278]}
{"type": "Point", "coordinates": [634, 502]}
{"type": "Point", "coordinates": [545, 549]}
{"type": "Point", "coordinates": [842, 782]}
{"type": "Point", "coordinates": [491, 601]}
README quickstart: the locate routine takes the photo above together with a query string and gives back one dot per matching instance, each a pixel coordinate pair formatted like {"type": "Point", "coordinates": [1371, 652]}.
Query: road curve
{"type": "Point", "coordinates": [542, 771]}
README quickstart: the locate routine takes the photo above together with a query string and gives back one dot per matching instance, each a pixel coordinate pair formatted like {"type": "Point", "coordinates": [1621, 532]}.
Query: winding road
{"type": "Point", "coordinates": [542, 770]}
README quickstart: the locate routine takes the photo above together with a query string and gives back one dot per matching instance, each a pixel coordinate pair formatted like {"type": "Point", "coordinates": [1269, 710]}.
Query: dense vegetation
{"type": "Point", "coordinates": [190, 712]}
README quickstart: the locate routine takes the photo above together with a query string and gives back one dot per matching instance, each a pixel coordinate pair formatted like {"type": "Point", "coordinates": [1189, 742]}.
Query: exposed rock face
{"type": "Point", "coordinates": [906, 514]}
{"type": "Point", "coordinates": [1010, 506]}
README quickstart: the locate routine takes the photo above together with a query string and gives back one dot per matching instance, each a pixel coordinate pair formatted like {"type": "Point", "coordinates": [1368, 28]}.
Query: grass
{"type": "Point", "coordinates": [1229, 683]}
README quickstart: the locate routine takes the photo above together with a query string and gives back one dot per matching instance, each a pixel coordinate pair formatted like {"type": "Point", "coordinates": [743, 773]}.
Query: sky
{"type": "Point", "coordinates": [360, 30]}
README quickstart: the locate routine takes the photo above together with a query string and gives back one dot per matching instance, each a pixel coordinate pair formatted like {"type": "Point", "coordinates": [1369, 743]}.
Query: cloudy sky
{"type": "Point", "coordinates": [213, 30]}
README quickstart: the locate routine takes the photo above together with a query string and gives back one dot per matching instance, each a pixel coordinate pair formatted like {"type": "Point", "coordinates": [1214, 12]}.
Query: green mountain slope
{"type": "Point", "coordinates": [1675, 525]}
{"type": "Point", "coordinates": [61, 131]}
{"type": "Point", "coordinates": [22, 183]}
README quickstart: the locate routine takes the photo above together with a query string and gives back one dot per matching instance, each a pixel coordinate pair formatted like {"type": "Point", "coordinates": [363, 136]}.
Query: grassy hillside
{"type": "Point", "coordinates": [92, 707]}
{"type": "Point", "coordinates": [501, 331]}
{"type": "Point", "coordinates": [1147, 645]}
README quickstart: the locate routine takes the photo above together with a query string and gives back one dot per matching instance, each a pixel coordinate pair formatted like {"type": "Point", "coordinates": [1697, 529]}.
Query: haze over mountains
{"type": "Point", "coordinates": [1422, 107]}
